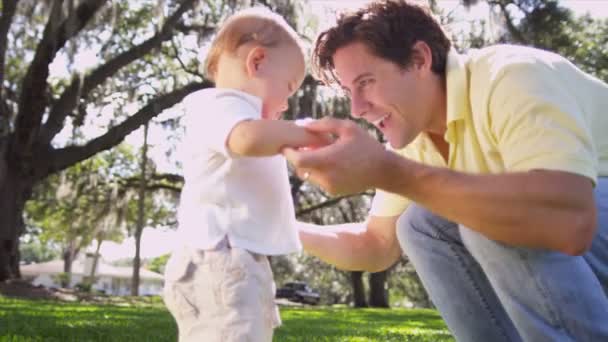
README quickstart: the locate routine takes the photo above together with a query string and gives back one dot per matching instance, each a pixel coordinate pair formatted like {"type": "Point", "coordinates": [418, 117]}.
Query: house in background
{"type": "Point", "coordinates": [112, 280]}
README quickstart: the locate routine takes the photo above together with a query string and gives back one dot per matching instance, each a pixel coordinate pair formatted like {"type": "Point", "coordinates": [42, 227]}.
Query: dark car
{"type": "Point", "coordinates": [298, 292]}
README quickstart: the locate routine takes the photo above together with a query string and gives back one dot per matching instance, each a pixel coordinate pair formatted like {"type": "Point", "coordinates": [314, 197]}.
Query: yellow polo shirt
{"type": "Point", "coordinates": [513, 108]}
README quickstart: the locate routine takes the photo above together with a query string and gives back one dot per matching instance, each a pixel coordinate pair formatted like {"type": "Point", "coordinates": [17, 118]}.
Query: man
{"type": "Point", "coordinates": [493, 184]}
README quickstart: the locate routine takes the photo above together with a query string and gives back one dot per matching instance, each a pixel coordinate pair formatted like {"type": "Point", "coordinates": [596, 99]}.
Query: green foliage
{"type": "Point", "coordinates": [83, 203]}
{"type": "Point", "coordinates": [148, 320]}
{"type": "Point", "coordinates": [548, 24]}
{"type": "Point", "coordinates": [406, 288]}
{"type": "Point", "coordinates": [62, 278]}
{"type": "Point", "coordinates": [86, 286]}
{"type": "Point", "coordinates": [545, 23]}
{"type": "Point", "coordinates": [37, 252]}
{"type": "Point", "coordinates": [587, 45]}
{"type": "Point", "coordinates": [94, 199]}
{"type": "Point", "coordinates": [32, 250]}
{"type": "Point", "coordinates": [158, 264]}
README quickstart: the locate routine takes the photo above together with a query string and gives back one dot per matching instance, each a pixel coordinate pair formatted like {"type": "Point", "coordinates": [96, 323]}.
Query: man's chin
{"type": "Point", "coordinates": [398, 143]}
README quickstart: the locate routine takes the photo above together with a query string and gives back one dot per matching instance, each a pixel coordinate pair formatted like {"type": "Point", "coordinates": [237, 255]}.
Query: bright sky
{"type": "Point", "coordinates": [156, 242]}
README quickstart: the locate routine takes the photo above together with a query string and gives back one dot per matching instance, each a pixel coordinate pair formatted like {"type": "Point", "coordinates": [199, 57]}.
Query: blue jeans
{"type": "Point", "coordinates": [488, 291]}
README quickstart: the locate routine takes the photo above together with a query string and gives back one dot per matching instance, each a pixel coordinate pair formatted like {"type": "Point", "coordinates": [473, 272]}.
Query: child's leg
{"type": "Point", "coordinates": [248, 292]}
{"type": "Point", "coordinates": [190, 296]}
{"type": "Point", "coordinates": [223, 295]}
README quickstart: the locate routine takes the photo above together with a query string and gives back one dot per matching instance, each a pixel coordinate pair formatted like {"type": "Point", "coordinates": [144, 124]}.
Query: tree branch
{"type": "Point", "coordinates": [32, 100]}
{"type": "Point", "coordinates": [79, 89]}
{"type": "Point", "coordinates": [202, 30]}
{"type": "Point", "coordinates": [132, 182]}
{"type": "Point", "coordinates": [183, 65]}
{"type": "Point", "coordinates": [65, 157]}
{"type": "Point", "coordinates": [154, 187]}
{"type": "Point", "coordinates": [8, 11]}
{"type": "Point", "coordinates": [513, 31]}
{"type": "Point", "coordinates": [168, 177]}
{"type": "Point", "coordinates": [327, 203]}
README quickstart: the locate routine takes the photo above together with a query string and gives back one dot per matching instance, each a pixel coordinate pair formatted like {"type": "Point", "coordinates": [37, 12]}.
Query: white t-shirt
{"type": "Point", "coordinates": [246, 199]}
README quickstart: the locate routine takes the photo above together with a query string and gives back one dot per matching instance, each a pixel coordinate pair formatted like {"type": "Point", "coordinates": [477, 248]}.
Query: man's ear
{"type": "Point", "coordinates": [422, 56]}
{"type": "Point", "coordinates": [254, 60]}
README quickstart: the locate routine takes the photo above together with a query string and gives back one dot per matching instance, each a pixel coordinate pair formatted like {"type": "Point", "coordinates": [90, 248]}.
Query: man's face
{"type": "Point", "coordinates": [392, 98]}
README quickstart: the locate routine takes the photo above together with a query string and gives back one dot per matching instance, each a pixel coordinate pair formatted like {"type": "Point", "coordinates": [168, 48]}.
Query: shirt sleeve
{"type": "Point", "coordinates": [210, 119]}
{"type": "Point", "coordinates": [538, 124]}
{"type": "Point", "coordinates": [387, 204]}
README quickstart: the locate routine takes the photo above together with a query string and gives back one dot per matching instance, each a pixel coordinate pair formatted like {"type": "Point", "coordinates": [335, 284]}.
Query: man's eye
{"type": "Point", "coordinates": [363, 83]}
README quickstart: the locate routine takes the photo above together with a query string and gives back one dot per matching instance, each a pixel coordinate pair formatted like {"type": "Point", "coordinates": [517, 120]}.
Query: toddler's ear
{"type": "Point", "coordinates": [254, 60]}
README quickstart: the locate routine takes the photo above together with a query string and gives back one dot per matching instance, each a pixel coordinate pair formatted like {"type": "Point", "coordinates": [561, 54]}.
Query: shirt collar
{"type": "Point", "coordinates": [457, 85]}
{"type": "Point", "coordinates": [253, 100]}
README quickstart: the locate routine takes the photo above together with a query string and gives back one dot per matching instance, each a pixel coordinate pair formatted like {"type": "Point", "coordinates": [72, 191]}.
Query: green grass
{"type": "Point", "coordinates": [346, 324]}
{"type": "Point", "coordinates": [30, 320]}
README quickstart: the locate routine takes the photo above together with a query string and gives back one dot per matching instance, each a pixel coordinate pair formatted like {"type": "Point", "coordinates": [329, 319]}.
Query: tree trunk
{"type": "Point", "coordinates": [69, 254]}
{"type": "Point", "coordinates": [358, 289]}
{"type": "Point", "coordinates": [136, 264]}
{"type": "Point", "coordinates": [96, 259]}
{"type": "Point", "coordinates": [14, 192]}
{"type": "Point", "coordinates": [67, 268]}
{"type": "Point", "coordinates": [378, 291]}
{"type": "Point", "coordinates": [91, 276]}
{"type": "Point", "coordinates": [140, 215]}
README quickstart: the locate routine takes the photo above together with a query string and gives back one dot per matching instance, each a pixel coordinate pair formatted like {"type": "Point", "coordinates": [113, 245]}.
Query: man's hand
{"type": "Point", "coordinates": [351, 164]}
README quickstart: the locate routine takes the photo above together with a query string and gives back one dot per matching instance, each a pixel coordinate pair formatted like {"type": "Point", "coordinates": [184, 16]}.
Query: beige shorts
{"type": "Point", "coordinates": [221, 295]}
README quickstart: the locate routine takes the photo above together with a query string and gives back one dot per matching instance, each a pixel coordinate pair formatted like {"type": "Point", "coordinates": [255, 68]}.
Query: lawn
{"type": "Point", "coordinates": [147, 320]}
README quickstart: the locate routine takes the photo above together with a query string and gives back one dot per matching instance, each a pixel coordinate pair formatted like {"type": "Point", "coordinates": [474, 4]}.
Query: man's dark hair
{"type": "Point", "coordinates": [389, 29]}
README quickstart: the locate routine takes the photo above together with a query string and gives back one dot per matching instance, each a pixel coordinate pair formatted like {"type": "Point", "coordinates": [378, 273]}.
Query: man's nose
{"type": "Point", "coordinates": [359, 106]}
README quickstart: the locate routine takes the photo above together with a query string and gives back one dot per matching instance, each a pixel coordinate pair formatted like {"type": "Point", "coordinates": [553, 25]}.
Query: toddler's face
{"type": "Point", "coordinates": [285, 75]}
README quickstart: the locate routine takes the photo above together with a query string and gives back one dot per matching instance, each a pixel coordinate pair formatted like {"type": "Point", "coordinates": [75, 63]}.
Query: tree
{"type": "Point", "coordinates": [141, 202]}
{"type": "Point", "coordinates": [33, 250]}
{"type": "Point", "coordinates": [546, 24]}
{"type": "Point", "coordinates": [358, 289]}
{"type": "Point", "coordinates": [378, 289]}
{"type": "Point", "coordinates": [81, 204]}
{"type": "Point", "coordinates": [34, 108]}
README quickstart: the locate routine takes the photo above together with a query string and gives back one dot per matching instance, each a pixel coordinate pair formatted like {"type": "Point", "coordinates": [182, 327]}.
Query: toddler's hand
{"type": "Point", "coordinates": [316, 140]}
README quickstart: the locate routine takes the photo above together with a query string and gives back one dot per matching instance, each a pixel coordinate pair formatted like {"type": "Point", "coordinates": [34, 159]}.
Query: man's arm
{"type": "Point", "coordinates": [367, 246]}
{"type": "Point", "coordinates": [258, 138]}
{"type": "Point", "coordinates": [541, 209]}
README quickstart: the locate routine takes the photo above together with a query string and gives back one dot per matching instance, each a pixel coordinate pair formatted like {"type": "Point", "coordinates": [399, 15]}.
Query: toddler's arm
{"type": "Point", "coordinates": [258, 138]}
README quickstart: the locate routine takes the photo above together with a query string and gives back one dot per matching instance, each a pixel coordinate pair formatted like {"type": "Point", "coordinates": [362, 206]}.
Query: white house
{"type": "Point", "coordinates": [112, 280]}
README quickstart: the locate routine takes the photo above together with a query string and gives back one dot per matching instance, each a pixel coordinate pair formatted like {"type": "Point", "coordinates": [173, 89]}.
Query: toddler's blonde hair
{"type": "Point", "coordinates": [257, 25]}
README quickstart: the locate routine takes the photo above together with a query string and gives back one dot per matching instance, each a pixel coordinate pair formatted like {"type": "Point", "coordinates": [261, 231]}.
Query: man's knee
{"type": "Point", "coordinates": [418, 223]}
